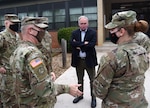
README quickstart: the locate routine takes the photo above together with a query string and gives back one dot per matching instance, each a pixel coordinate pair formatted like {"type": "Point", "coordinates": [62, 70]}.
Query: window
{"type": "Point", "coordinates": [22, 15]}
{"type": "Point", "coordinates": [90, 10]}
{"type": "Point", "coordinates": [91, 13]}
{"type": "Point", "coordinates": [46, 10]}
{"type": "Point", "coordinates": [60, 15]}
{"type": "Point", "coordinates": [59, 18]}
{"type": "Point", "coordinates": [49, 15]}
{"type": "Point", "coordinates": [33, 11]}
{"type": "Point", "coordinates": [1, 22]}
{"type": "Point", "coordinates": [74, 14]}
{"type": "Point", "coordinates": [33, 14]}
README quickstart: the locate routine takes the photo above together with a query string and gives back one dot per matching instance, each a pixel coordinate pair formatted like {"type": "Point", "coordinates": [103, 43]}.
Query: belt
{"type": "Point", "coordinates": [83, 58]}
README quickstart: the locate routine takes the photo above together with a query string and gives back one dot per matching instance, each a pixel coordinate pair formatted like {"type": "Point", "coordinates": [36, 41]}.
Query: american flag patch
{"type": "Point", "coordinates": [36, 62]}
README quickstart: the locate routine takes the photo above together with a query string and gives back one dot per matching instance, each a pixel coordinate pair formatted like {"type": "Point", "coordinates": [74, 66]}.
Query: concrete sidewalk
{"type": "Point", "coordinates": [69, 77]}
{"type": "Point", "coordinates": [65, 100]}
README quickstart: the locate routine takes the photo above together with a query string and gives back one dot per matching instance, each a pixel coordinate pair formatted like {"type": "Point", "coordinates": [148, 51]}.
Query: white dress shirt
{"type": "Point", "coordinates": [82, 54]}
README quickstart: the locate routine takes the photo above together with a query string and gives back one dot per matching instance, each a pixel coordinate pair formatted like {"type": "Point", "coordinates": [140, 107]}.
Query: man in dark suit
{"type": "Point", "coordinates": [84, 57]}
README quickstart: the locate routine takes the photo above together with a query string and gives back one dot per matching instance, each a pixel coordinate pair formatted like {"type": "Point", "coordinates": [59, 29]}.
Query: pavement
{"type": "Point", "coordinates": [69, 77]}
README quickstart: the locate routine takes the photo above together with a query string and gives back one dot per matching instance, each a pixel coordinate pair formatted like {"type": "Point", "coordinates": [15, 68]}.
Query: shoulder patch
{"type": "Point", "coordinates": [35, 62]}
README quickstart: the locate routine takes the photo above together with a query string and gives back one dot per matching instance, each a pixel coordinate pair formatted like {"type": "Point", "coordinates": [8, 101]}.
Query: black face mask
{"type": "Point", "coordinates": [40, 35]}
{"type": "Point", "coordinates": [113, 38]}
{"type": "Point", "coordinates": [14, 27]}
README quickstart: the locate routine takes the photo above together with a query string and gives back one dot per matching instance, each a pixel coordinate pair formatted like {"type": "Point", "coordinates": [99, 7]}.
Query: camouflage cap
{"type": "Point", "coordinates": [37, 21]}
{"type": "Point", "coordinates": [121, 19]}
{"type": "Point", "coordinates": [12, 17]}
{"type": "Point", "coordinates": [44, 20]}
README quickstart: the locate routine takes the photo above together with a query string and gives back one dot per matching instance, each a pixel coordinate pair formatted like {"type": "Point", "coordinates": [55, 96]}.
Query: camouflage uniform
{"type": "Point", "coordinates": [47, 41]}
{"type": "Point", "coordinates": [120, 78]}
{"type": "Point", "coordinates": [143, 40]}
{"type": "Point", "coordinates": [8, 43]}
{"type": "Point", "coordinates": [46, 48]}
{"type": "Point", "coordinates": [32, 83]}
{"type": "Point", "coordinates": [48, 57]}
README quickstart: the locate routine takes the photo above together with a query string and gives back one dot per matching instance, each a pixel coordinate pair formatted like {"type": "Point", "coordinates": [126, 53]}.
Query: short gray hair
{"type": "Point", "coordinates": [83, 17]}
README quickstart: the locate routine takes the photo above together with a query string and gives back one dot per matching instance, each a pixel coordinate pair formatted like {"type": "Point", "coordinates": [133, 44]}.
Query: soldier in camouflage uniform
{"type": "Point", "coordinates": [141, 38]}
{"type": "Point", "coordinates": [46, 49]}
{"type": "Point", "coordinates": [33, 86]}
{"type": "Point", "coordinates": [8, 43]}
{"type": "Point", "coordinates": [120, 76]}
{"type": "Point", "coordinates": [47, 39]}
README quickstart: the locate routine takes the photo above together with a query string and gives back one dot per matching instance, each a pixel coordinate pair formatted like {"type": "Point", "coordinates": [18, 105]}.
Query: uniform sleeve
{"type": "Point", "coordinates": [60, 89]}
{"type": "Point", "coordinates": [3, 46]}
{"type": "Point", "coordinates": [104, 77]}
{"type": "Point", "coordinates": [41, 82]}
{"type": "Point", "coordinates": [1, 40]}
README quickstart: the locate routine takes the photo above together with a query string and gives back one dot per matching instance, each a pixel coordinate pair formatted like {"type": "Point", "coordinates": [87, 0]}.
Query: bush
{"type": "Point", "coordinates": [65, 33]}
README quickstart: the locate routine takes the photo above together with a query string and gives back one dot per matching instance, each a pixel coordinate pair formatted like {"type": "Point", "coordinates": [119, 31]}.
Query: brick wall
{"type": "Point", "coordinates": [55, 43]}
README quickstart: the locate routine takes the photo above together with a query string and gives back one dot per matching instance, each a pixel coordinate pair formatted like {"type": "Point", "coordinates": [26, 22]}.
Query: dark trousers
{"type": "Point", "coordinates": [80, 74]}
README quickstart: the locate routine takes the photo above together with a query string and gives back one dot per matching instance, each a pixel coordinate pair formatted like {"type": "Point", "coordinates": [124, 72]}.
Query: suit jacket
{"type": "Point", "coordinates": [91, 37]}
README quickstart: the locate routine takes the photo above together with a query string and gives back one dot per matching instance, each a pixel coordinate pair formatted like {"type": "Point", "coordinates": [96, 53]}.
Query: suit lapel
{"type": "Point", "coordinates": [86, 33]}
{"type": "Point", "coordinates": [79, 35]}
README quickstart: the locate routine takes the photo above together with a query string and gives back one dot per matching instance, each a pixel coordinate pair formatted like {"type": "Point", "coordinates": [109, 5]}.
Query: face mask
{"type": "Point", "coordinates": [113, 38]}
{"type": "Point", "coordinates": [40, 35]}
{"type": "Point", "coordinates": [14, 27]}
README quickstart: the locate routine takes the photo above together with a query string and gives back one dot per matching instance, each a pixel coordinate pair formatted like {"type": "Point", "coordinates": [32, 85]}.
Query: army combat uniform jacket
{"type": "Point", "coordinates": [143, 40]}
{"type": "Point", "coordinates": [33, 85]}
{"type": "Point", "coordinates": [120, 78]}
{"type": "Point", "coordinates": [46, 49]}
{"type": "Point", "coordinates": [8, 43]}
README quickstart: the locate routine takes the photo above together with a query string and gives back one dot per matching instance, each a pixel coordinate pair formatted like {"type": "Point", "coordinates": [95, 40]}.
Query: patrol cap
{"type": "Point", "coordinates": [121, 19]}
{"type": "Point", "coordinates": [44, 20]}
{"type": "Point", "coordinates": [37, 21]}
{"type": "Point", "coordinates": [12, 17]}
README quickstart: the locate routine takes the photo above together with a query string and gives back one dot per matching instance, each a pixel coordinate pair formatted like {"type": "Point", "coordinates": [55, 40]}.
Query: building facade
{"type": "Point", "coordinates": [64, 13]}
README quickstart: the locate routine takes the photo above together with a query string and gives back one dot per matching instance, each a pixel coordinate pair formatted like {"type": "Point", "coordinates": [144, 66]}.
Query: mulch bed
{"type": "Point", "coordinates": [57, 63]}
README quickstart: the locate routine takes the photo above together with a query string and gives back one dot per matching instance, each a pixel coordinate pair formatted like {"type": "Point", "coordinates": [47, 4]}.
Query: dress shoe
{"type": "Point", "coordinates": [77, 99]}
{"type": "Point", "coordinates": [93, 103]}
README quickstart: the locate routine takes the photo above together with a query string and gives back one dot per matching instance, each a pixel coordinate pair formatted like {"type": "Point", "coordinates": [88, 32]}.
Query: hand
{"type": "Point", "coordinates": [53, 76]}
{"type": "Point", "coordinates": [2, 70]}
{"type": "Point", "coordinates": [78, 48]}
{"type": "Point", "coordinates": [74, 91]}
{"type": "Point", "coordinates": [86, 42]}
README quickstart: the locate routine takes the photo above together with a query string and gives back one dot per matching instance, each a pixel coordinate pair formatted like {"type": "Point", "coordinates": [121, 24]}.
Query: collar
{"type": "Point", "coordinates": [83, 30]}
